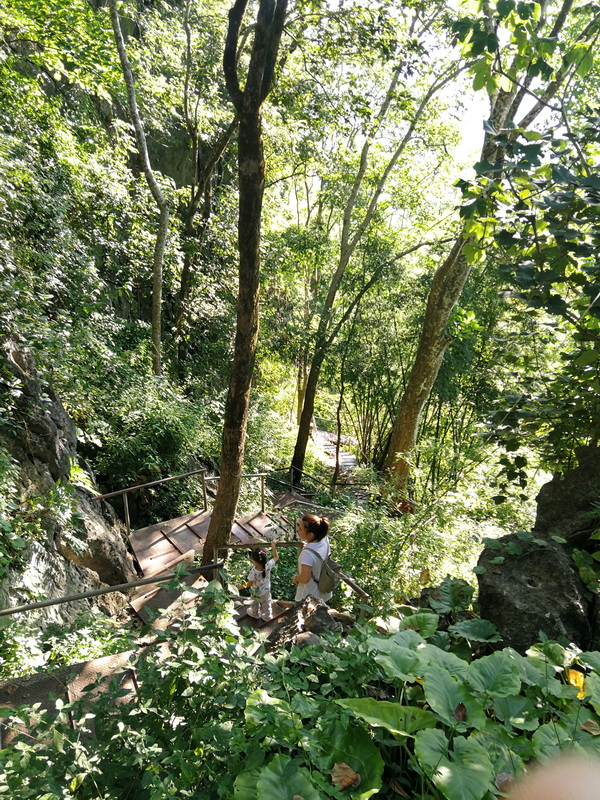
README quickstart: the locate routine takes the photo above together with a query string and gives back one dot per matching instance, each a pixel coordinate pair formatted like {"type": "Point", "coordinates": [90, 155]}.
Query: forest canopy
{"type": "Point", "coordinates": [225, 226]}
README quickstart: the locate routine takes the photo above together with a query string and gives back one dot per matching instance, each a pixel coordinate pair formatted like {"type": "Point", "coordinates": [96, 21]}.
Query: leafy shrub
{"type": "Point", "coordinates": [216, 717]}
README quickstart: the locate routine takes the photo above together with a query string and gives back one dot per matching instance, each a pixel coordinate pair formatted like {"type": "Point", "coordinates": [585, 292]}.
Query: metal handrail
{"type": "Point", "coordinates": [205, 479]}
{"type": "Point", "coordinates": [135, 488]}
{"type": "Point", "coordinates": [117, 588]}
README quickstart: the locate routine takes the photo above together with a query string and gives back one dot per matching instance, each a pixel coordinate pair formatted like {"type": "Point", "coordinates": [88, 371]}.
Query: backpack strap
{"type": "Point", "coordinates": [320, 557]}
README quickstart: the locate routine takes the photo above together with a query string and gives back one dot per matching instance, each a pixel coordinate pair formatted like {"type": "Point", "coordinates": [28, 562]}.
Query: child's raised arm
{"type": "Point", "coordinates": [274, 549]}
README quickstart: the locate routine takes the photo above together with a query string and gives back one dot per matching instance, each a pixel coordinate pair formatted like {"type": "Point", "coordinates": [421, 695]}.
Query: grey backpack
{"type": "Point", "coordinates": [330, 573]}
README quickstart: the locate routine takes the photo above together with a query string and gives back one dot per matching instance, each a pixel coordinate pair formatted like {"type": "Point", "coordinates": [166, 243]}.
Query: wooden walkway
{"type": "Point", "coordinates": [164, 545]}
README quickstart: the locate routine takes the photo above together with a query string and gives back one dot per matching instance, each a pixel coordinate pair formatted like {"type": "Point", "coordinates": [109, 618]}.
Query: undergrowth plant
{"type": "Point", "coordinates": [414, 703]}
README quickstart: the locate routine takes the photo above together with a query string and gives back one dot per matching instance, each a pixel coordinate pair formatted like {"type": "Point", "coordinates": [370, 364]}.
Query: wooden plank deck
{"type": "Point", "coordinates": [161, 546]}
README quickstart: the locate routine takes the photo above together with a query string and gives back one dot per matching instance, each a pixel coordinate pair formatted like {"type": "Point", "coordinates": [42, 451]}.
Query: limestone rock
{"type": "Point", "coordinates": [564, 503]}
{"type": "Point", "coordinates": [306, 639]}
{"type": "Point", "coordinates": [103, 546]}
{"type": "Point", "coordinates": [49, 575]}
{"type": "Point", "coordinates": [538, 589]}
{"type": "Point", "coordinates": [41, 436]}
{"type": "Point", "coordinates": [318, 620]}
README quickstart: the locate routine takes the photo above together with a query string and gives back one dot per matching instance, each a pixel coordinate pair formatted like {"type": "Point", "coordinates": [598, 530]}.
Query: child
{"type": "Point", "coordinates": [259, 582]}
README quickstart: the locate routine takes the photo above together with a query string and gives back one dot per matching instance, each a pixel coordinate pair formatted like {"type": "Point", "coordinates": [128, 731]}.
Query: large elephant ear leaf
{"type": "Point", "coordinates": [453, 594]}
{"type": "Point", "coordinates": [354, 747]}
{"type": "Point", "coordinates": [495, 675]}
{"type": "Point", "coordinates": [463, 773]}
{"type": "Point", "coordinates": [477, 630]}
{"type": "Point", "coordinates": [423, 622]}
{"type": "Point", "coordinates": [282, 779]}
{"type": "Point", "coordinates": [244, 787]}
{"type": "Point", "coordinates": [450, 700]}
{"type": "Point", "coordinates": [399, 720]}
{"type": "Point", "coordinates": [400, 662]}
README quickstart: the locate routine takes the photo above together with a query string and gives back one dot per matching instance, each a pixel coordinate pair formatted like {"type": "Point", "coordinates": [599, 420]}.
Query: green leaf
{"type": "Point", "coordinates": [549, 739]}
{"type": "Point", "coordinates": [424, 623]}
{"type": "Point", "coordinates": [477, 630]}
{"type": "Point", "coordinates": [465, 773]}
{"type": "Point", "coordinates": [304, 706]}
{"type": "Point", "coordinates": [281, 779]}
{"type": "Point", "coordinates": [244, 787]}
{"type": "Point", "coordinates": [442, 658]}
{"type": "Point", "coordinates": [400, 720]}
{"type": "Point", "coordinates": [496, 675]}
{"type": "Point", "coordinates": [550, 652]}
{"type": "Point", "coordinates": [453, 594]}
{"type": "Point", "coordinates": [354, 746]}
{"type": "Point", "coordinates": [400, 662]}
{"type": "Point", "coordinates": [592, 689]}
{"type": "Point", "coordinates": [520, 712]}
{"type": "Point", "coordinates": [447, 696]}
{"type": "Point", "coordinates": [591, 658]}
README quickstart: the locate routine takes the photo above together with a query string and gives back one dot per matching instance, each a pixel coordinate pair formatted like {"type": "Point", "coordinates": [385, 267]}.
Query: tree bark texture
{"type": "Point", "coordinates": [251, 172]}
{"type": "Point", "coordinates": [447, 285]}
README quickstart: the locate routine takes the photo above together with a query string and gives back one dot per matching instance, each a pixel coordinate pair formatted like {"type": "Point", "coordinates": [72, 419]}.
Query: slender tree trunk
{"type": "Point", "coordinates": [447, 286]}
{"type": "Point", "coordinates": [251, 172]}
{"type": "Point", "coordinates": [159, 198]}
{"type": "Point", "coordinates": [351, 235]}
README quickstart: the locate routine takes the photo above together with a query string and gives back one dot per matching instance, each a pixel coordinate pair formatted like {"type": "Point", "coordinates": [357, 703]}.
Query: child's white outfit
{"type": "Point", "coordinates": [261, 591]}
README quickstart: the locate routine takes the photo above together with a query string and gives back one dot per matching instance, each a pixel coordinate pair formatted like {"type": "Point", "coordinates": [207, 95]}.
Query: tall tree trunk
{"type": "Point", "coordinates": [251, 172]}
{"type": "Point", "coordinates": [449, 280]}
{"type": "Point", "coordinates": [159, 198]}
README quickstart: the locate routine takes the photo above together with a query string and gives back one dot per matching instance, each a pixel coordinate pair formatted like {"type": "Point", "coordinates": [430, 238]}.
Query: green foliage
{"type": "Point", "coordinates": [27, 648]}
{"type": "Point", "coordinates": [12, 544]}
{"type": "Point", "coordinates": [217, 717]}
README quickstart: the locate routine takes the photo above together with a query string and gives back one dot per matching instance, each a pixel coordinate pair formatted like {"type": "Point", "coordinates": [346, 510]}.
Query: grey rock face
{"type": "Point", "coordinates": [564, 503]}
{"type": "Point", "coordinates": [41, 438]}
{"type": "Point", "coordinates": [537, 590]}
{"type": "Point", "coordinates": [319, 621]}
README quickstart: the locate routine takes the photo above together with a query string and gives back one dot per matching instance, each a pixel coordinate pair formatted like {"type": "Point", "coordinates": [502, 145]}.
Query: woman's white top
{"type": "Point", "coordinates": [308, 556]}
{"type": "Point", "coordinates": [260, 582]}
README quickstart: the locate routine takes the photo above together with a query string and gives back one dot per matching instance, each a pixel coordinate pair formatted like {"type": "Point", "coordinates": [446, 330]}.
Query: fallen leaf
{"type": "Point", "coordinates": [344, 776]}
{"type": "Point", "coordinates": [397, 789]}
{"type": "Point", "coordinates": [591, 726]}
{"type": "Point", "coordinates": [504, 781]}
{"type": "Point", "coordinates": [11, 688]}
{"type": "Point", "coordinates": [424, 577]}
{"type": "Point", "coordinates": [460, 712]}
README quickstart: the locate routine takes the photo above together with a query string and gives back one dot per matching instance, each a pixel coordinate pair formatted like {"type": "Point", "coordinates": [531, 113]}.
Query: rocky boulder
{"type": "Point", "coordinates": [306, 622]}
{"type": "Point", "coordinates": [534, 590]}
{"type": "Point", "coordinates": [565, 505]}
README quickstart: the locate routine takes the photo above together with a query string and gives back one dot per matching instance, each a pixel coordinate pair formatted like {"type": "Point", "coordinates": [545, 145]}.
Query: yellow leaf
{"type": "Point", "coordinates": [575, 678]}
{"type": "Point", "coordinates": [424, 577]}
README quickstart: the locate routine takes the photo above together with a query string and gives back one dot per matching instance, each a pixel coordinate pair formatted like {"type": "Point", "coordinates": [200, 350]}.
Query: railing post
{"type": "Point", "coordinates": [262, 494]}
{"type": "Point", "coordinates": [204, 498]}
{"type": "Point", "coordinates": [126, 509]}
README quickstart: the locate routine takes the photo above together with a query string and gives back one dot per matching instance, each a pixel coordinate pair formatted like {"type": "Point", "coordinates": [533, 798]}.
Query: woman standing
{"type": "Point", "coordinates": [313, 531]}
